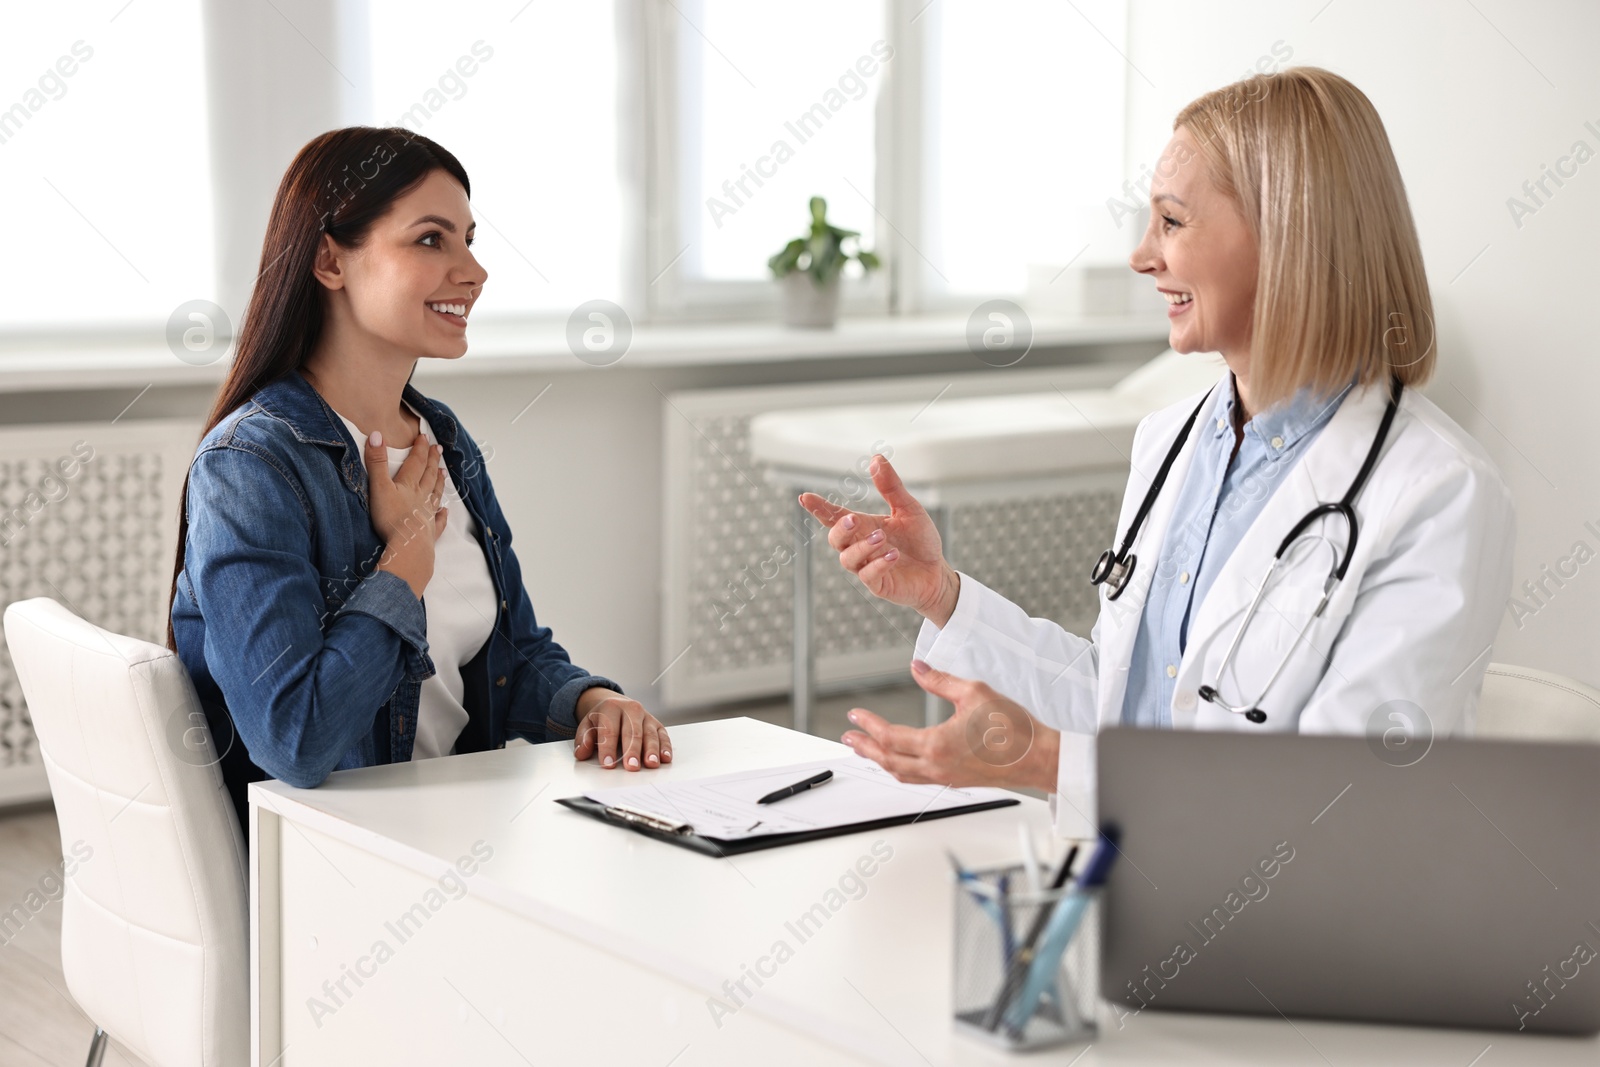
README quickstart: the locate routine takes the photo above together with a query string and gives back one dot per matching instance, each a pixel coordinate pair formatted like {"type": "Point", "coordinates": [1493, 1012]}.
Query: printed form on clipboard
{"type": "Point", "coordinates": [725, 808]}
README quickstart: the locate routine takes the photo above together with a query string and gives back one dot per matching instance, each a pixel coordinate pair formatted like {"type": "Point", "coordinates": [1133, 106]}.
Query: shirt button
{"type": "Point", "coordinates": [505, 606]}
{"type": "Point", "coordinates": [1221, 423]}
{"type": "Point", "coordinates": [1172, 672]}
{"type": "Point", "coordinates": [1277, 442]}
{"type": "Point", "coordinates": [1183, 579]}
{"type": "Point", "coordinates": [500, 680]}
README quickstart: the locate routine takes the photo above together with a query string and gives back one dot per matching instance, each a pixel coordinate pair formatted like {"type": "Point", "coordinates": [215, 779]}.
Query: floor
{"type": "Point", "coordinates": [40, 1024]}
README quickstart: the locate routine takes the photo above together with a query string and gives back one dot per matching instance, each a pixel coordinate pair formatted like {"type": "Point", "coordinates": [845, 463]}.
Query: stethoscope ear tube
{"type": "Point", "coordinates": [1116, 565]}
{"type": "Point", "coordinates": [1344, 507]}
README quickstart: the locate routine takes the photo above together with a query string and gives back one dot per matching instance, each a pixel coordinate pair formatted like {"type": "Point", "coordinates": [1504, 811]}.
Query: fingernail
{"type": "Point", "coordinates": [375, 439]}
{"type": "Point", "coordinates": [609, 761]}
{"type": "Point", "coordinates": [852, 717]}
{"type": "Point", "coordinates": [633, 761]}
{"type": "Point", "coordinates": [652, 758]}
{"type": "Point", "coordinates": [892, 555]}
{"type": "Point", "coordinates": [919, 666]}
{"type": "Point", "coordinates": [849, 739]}
{"type": "Point", "coordinates": [877, 536]}
{"type": "Point", "coordinates": [849, 522]}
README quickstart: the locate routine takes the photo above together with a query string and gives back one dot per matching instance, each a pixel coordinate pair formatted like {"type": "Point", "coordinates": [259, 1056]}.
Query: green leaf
{"type": "Point", "coordinates": [787, 260]}
{"type": "Point", "coordinates": [821, 253]}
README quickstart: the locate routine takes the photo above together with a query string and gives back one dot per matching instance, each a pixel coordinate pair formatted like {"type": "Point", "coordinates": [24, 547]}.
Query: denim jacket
{"type": "Point", "coordinates": [307, 658]}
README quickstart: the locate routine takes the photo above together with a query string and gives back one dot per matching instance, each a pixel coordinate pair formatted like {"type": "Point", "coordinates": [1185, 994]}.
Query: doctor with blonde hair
{"type": "Point", "coordinates": [1309, 546]}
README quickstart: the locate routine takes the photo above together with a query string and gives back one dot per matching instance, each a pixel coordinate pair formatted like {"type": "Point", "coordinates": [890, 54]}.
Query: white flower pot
{"type": "Point", "coordinates": [808, 305]}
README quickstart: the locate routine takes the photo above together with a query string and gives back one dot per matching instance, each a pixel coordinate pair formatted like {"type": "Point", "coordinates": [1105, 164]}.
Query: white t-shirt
{"type": "Point", "coordinates": [460, 603]}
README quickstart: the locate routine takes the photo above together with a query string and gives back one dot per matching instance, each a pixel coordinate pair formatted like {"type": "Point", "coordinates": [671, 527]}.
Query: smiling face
{"type": "Point", "coordinates": [412, 283]}
{"type": "Point", "coordinates": [1199, 251]}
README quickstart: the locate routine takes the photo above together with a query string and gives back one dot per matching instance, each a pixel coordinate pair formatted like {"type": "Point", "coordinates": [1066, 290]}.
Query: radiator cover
{"type": "Point", "coordinates": [728, 596]}
{"type": "Point", "coordinates": [100, 542]}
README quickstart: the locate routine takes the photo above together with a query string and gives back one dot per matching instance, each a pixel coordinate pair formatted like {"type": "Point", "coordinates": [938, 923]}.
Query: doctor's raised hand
{"type": "Point", "coordinates": [899, 557]}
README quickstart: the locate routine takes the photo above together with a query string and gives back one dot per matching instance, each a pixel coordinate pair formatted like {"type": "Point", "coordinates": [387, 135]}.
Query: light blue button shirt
{"type": "Point", "coordinates": [1220, 498]}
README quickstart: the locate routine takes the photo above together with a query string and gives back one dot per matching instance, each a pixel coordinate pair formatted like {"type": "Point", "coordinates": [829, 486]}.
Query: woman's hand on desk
{"type": "Point", "coordinates": [899, 556]}
{"type": "Point", "coordinates": [990, 740]}
{"type": "Point", "coordinates": [619, 732]}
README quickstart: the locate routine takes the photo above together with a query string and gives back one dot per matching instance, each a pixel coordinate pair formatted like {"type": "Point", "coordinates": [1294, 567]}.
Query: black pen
{"type": "Point", "coordinates": [798, 787]}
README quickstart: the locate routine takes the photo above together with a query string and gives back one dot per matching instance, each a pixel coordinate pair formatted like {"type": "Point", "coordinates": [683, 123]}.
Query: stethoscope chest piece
{"type": "Point", "coordinates": [1114, 571]}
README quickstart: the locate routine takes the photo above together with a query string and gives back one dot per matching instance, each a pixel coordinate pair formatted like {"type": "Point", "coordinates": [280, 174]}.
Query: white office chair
{"type": "Point", "coordinates": [154, 924]}
{"type": "Point", "coordinates": [1522, 703]}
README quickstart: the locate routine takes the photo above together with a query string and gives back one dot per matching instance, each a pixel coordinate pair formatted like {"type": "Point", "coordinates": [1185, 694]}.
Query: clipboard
{"type": "Point", "coordinates": [711, 846]}
{"type": "Point", "coordinates": [713, 815]}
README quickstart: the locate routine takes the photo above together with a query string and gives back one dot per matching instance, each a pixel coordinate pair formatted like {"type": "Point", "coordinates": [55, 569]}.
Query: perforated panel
{"type": "Point", "coordinates": [99, 540]}
{"type": "Point", "coordinates": [741, 569]}
{"type": "Point", "coordinates": [1037, 552]}
{"type": "Point", "coordinates": [729, 600]}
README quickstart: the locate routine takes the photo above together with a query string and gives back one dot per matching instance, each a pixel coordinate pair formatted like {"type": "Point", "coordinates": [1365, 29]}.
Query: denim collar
{"type": "Point", "coordinates": [295, 402]}
{"type": "Point", "coordinates": [1283, 423]}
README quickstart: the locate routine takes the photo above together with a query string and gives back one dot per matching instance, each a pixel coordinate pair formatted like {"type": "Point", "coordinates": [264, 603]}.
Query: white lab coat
{"type": "Point", "coordinates": [1413, 621]}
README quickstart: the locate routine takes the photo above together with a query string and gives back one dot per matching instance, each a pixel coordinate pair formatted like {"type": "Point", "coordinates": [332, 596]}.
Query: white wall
{"type": "Point", "coordinates": [1477, 98]}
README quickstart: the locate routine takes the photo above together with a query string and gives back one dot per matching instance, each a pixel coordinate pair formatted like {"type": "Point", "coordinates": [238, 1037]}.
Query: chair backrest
{"type": "Point", "coordinates": [154, 923]}
{"type": "Point", "coordinates": [1520, 702]}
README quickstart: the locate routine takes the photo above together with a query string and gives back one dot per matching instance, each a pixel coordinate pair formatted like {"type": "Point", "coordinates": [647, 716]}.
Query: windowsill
{"type": "Point", "coordinates": [498, 348]}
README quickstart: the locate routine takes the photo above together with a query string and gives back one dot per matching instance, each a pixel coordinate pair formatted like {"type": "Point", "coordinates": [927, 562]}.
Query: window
{"type": "Point", "coordinates": [1023, 120]}
{"type": "Point", "coordinates": [967, 141]}
{"type": "Point", "coordinates": [759, 108]}
{"type": "Point", "coordinates": [752, 153]}
{"type": "Point", "coordinates": [654, 153]}
{"type": "Point", "coordinates": [104, 164]}
{"type": "Point", "coordinates": [528, 104]}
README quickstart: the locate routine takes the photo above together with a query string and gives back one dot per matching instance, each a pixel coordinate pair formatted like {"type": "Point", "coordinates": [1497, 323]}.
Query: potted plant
{"type": "Point", "coordinates": [809, 269]}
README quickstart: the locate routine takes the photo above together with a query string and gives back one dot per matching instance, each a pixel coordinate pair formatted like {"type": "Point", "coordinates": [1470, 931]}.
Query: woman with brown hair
{"type": "Point", "coordinates": [340, 601]}
{"type": "Point", "coordinates": [1311, 546]}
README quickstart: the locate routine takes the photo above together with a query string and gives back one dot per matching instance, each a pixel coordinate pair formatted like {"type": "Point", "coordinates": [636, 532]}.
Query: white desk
{"type": "Point", "coordinates": [580, 943]}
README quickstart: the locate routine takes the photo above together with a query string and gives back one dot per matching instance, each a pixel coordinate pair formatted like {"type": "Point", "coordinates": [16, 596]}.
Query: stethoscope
{"type": "Point", "coordinates": [1116, 566]}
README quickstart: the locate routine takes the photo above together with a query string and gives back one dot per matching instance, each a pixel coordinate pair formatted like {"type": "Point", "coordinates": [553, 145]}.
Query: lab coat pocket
{"type": "Point", "coordinates": [1284, 632]}
{"type": "Point", "coordinates": [1290, 611]}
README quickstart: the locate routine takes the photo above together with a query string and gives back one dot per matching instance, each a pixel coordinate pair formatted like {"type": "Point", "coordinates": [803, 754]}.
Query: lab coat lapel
{"type": "Point", "coordinates": [1119, 619]}
{"type": "Point", "coordinates": [1321, 475]}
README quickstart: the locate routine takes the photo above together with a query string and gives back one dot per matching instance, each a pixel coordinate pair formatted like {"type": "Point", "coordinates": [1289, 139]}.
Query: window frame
{"type": "Point", "coordinates": [670, 295]}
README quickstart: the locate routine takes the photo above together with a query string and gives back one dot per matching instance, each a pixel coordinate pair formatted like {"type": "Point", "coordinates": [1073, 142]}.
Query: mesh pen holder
{"type": "Point", "coordinates": [991, 929]}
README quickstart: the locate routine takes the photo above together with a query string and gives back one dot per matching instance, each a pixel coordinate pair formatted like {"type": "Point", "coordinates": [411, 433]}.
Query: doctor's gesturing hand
{"type": "Point", "coordinates": [990, 740]}
{"type": "Point", "coordinates": [899, 557]}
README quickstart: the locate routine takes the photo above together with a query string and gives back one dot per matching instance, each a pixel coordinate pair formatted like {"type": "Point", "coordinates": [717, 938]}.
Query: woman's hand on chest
{"type": "Point", "coordinates": [407, 509]}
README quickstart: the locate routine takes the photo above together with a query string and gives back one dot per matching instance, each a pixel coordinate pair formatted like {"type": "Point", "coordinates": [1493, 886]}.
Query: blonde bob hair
{"type": "Point", "coordinates": [1340, 288]}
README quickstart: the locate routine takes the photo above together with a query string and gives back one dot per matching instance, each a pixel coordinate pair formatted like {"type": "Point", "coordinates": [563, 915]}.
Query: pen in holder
{"type": "Point", "coordinates": [1017, 992]}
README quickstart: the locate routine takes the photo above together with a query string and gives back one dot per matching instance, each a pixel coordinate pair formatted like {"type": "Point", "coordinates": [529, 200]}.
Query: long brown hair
{"type": "Point", "coordinates": [339, 184]}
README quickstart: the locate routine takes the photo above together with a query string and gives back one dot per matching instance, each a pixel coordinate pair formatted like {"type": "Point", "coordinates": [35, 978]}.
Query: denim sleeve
{"type": "Point", "coordinates": [545, 684]}
{"type": "Point", "coordinates": [300, 693]}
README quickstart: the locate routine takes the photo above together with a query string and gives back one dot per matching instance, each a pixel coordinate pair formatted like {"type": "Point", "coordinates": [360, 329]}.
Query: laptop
{"type": "Point", "coordinates": [1327, 877]}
